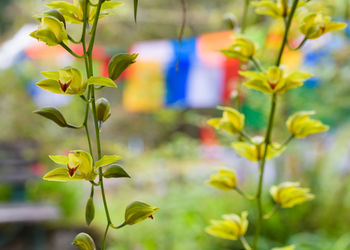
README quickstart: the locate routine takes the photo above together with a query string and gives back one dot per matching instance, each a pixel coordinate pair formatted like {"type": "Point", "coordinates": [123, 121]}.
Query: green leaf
{"type": "Point", "coordinates": [53, 115]}
{"type": "Point", "coordinates": [84, 242]}
{"type": "Point", "coordinates": [115, 171]}
{"type": "Point", "coordinates": [119, 63]}
{"type": "Point", "coordinates": [106, 160]}
{"type": "Point", "coordinates": [102, 81]}
{"type": "Point", "coordinates": [60, 174]}
{"type": "Point", "coordinates": [89, 211]}
{"type": "Point", "coordinates": [136, 3]}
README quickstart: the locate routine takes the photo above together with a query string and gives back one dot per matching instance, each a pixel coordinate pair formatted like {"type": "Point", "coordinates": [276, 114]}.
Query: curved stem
{"type": "Point", "coordinates": [272, 212]}
{"type": "Point", "coordinates": [71, 51]}
{"type": "Point", "coordinates": [290, 138]}
{"type": "Point", "coordinates": [257, 64]}
{"type": "Point", "coordinates": [72, 40]}
{"type": "Point", "coordinates": [248, 197]}
{"type": "Point", "coordinates": [300, 45]}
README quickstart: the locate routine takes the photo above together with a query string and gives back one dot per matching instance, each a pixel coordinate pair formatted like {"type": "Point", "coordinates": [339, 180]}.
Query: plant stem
{"type": "Point", "coordinates": [269, 130]}
{"type": "Point", "coordinates": [244, 243]}
{"type": "Point", "coordinates": [71, 51]}
{"type": "Point", "coordinates": [286, 32]}
{"type": "Point", "coordinates": [257, 64]}
{"type": "Point", "coordinates": [245, 15]}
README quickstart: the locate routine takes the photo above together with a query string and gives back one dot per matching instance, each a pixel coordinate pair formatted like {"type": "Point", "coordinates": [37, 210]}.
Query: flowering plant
{"type": "Point", "coordinates": [80, 165]}
{"type": "Point", "coordinates": [273, 82]}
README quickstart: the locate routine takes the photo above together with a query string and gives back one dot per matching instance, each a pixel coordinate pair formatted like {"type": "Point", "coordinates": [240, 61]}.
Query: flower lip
{"type": "Point", "coordinates": [72, 171]}
{"type": "Point", "coordinates": [64, 86]}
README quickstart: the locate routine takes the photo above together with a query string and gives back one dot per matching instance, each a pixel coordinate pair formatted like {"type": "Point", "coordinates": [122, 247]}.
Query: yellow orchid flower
{"type": "Point", "coordinates": [67, 81]}
{"type": "Point", "coordinates": [290, 194]}
{"type": "Point", "coordinates": [225, 179]}
{"type": "Point", "coordinates": [301, 125]}
{"type": "Point", "coordinates": [73, 12]}
{"type": "Point", "coordinates": [232, 121]}
{"type": "Point", "coordinates": [290, 247]}
{"type": "Point", "coordinates": [51, 31]}
{"type": "Point", "coordinates": [315, 25]}
{"type": "Point", "coordinates": [242, 49]}
{"type": "Point", "coordinates": [255, 152]}
{"type": "Point", "coordinates": [279, 9]}
{"type": "Point", "coordinates": [274, 80]}
{"type": "Point", "coordinates": [231, 227]}
{"type": "Point", "coordinates": [138, 211]}
{"type": "Point", "coordinates": [78, 164]}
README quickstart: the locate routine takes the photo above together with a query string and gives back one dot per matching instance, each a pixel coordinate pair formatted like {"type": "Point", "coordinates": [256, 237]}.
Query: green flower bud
{"type": "Point", "coordinates": [51, 31]}
{"type": "Point", "coordinates": [103, 109]}
{"type": "Point", "coordinates": [84, 242]}
{"type": "Point", "coordinates": [138, 211]}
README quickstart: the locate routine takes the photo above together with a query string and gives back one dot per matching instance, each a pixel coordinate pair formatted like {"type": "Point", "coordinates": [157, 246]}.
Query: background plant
{"type": "Point", "coordinates": [79, 164]}
{"type": "Point", "coordinates": [274, 82]}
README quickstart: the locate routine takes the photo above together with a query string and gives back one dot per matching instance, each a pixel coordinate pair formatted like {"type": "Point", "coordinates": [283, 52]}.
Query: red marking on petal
{"type": "Point", "coordinates": [151, 216]}
{"type": "Point", "coordinates": [64, 86]}
{"type": "Point", "coordinates": [72, 171]}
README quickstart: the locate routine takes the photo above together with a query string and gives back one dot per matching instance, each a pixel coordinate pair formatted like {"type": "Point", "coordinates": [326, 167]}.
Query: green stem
{"type": "Point", "coordinates": [285, 37]}
{"type": "Point", "coordinates": [71, 51]}
{"type": "Point", "coordinates": [272, 212]}
{"type": "Point", "coordinates": [290, 138]}
{"type": "Point", "coordinates": [257, 64]}
{"type": "Point", "coordinates": [261, 171]}
{"type": "Point", "coordinates": [105, 236]}
{"type": "Point", "coordinates": [244, 243]}
{"type": "Point", "coordinates": [248, 197]}
{"type": "Point", "coordinates": [300, 45]}
{"type": "Point", "coordinates": [245, 15]}
{"type": "Point", "coordinates": [269, 131]}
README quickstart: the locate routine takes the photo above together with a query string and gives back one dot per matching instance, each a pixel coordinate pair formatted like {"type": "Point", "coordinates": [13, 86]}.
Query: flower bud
{"type": "Point", "coordinates": [290, 194]}
{"type": "Point", "coordinates": [138, 211]}
{"type": "Point", "coordinates": [51, 31]}
{"type": "Point", "coordinates": [242, 49]}
{"type": "Point", "coordinates": [231, 227]}
{"type": "Point", "coordinates": [301, 125]}
{"type": "Point", "coordinates": [225, 179]}
{"type": "Point", "coordinates": [103, 109]}
{"type": "Point", "coordinates": [84, 242]}
{"type": "Point", "coordinates": [232, 121]}
{"type": "Point", "coordinates": [315, 25]}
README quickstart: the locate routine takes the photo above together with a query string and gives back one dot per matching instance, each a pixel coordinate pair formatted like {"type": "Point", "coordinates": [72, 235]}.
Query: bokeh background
{"type": "Point", "coordinates": [167, 148]}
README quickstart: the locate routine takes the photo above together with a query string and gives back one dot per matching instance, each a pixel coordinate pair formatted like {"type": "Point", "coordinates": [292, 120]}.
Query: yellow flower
{"type": "Point", "coordinates": [231, 227]}
{"type": "Point", "coordinates": [73, 12]}
{"type": "Point", "coordinates": [279, 9]}
{"type": "Point", "coordinates": [274, 80]}
{"type": "Point", "coordinates": [291, 247]}
{"type": "Point", "coordinates": [289, 194]}
{"type": "Point", "coordinates": [225, 179]}
{"type": "Point", "coordinates": [138, 211]}
{"type": "Point", "coordinates": [67, 81]}
{"type": "Point", "coordinates": [315, 25]}
{"type": "Point", "coordinates": [51, 31]}
{"type": "Point", "coordinates": [78, 164]}
{"type": "Point", "coordinates": [255, 152]}
{"type": "Point", "coordinates": [242, 49]}
{"type": "Point", "coordinates": [232, 121]}
{"type": "Point", "coordinates": [301, 125]}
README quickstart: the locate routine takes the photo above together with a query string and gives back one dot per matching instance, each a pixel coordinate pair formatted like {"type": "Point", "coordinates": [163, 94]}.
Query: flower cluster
{"type": "Point", "coordinates": [275, 81]}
